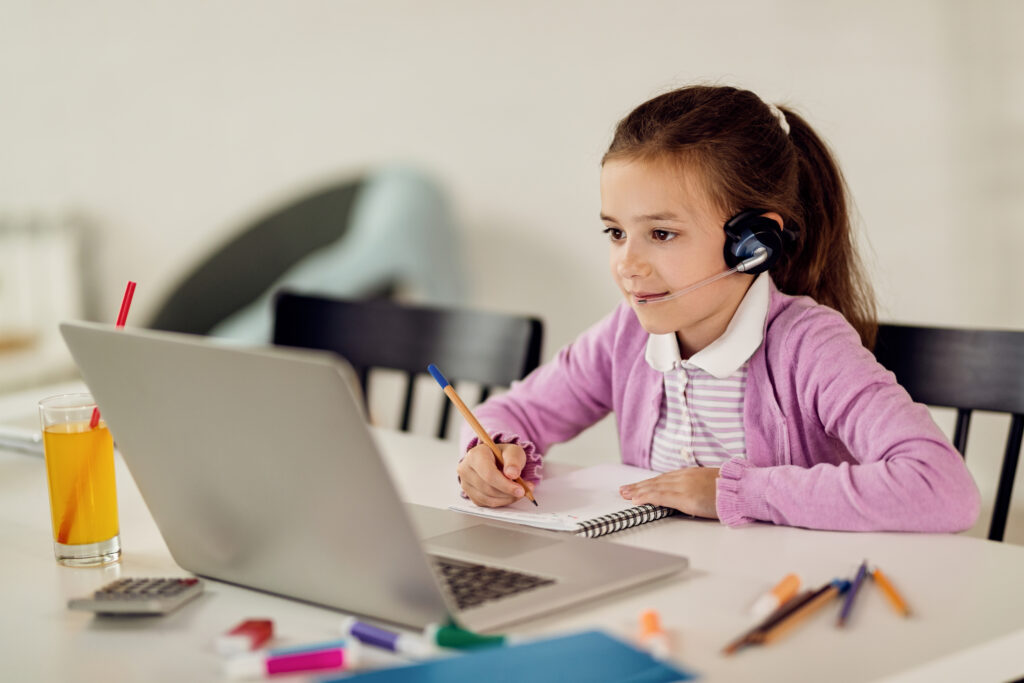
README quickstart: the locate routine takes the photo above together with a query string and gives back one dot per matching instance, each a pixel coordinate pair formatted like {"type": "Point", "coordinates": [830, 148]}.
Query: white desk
{"type": "Point", "coordinates": [966, 594]}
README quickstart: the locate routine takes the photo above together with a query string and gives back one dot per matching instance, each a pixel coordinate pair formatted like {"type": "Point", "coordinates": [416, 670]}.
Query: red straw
{"type": "Point", "coordinates": [122, 316]}
{"type": "Point", "coordinates": [126, 303]}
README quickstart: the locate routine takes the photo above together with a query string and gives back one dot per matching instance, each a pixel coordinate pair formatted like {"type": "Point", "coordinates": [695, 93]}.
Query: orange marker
{"type": "Point", "coordinates": [784, 591]}
{"type": "Point", "coordinates": [652, 636]}
{"type": "Point", "coordinates": [890, 592]}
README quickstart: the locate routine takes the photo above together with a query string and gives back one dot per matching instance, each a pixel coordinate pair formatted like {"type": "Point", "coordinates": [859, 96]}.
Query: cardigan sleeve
{"type": "Point", "coordinates": [556, 401]}
{"type": "Point", "coordinates": [905, 474]}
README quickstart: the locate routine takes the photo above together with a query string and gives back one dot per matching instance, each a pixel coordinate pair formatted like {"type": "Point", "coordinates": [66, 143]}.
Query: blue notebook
{"type": "Point", "coordinates": [588, 657]}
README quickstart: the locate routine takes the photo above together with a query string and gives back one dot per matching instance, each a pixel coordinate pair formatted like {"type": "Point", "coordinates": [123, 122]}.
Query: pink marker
{"type": "Point", "coordinates": [259, 665]}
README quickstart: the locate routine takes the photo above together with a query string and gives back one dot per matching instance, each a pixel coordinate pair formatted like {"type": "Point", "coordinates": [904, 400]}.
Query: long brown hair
{"type": "Point", "coordinates": [746, 160]}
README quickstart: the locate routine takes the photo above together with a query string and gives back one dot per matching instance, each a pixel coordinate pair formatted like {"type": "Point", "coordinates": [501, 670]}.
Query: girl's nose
{"type": "Point", "coordinates": [632, 264]}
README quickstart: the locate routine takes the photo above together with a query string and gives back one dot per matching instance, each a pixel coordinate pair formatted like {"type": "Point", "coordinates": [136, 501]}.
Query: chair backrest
{"type": "Point", "coordinates": [241, 269]}
{"type": "Point", "coordinates": [489, 349]}
{"type": "Point", "coordinates": [968, 370]}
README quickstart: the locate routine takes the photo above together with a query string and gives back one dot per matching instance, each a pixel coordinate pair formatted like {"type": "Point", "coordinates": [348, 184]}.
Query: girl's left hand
{"type": "Point", "coordinates": [691, 490]}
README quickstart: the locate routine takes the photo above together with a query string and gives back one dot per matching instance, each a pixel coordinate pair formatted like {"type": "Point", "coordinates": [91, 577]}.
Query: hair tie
{"type": "Point", "coordinates": [780, 116]}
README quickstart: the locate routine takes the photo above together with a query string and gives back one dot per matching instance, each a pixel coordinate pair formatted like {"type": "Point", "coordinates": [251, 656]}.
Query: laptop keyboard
{"type": "Point", "coordinates": [475, 584]}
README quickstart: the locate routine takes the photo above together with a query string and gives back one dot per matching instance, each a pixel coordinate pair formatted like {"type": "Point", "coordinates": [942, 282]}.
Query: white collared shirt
{"type": "Point", "coordinates": [701, 418]}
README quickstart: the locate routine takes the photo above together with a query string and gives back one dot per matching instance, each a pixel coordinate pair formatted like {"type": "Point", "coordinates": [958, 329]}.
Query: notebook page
{"type": "Point", "coordinates": [568, 499]}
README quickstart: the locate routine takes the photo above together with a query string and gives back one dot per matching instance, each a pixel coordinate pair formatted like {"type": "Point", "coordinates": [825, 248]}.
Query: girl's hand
{"type": "Point", "coordinates": [691, 490]}
{"type": "Point", "coordinates": [484, 483]}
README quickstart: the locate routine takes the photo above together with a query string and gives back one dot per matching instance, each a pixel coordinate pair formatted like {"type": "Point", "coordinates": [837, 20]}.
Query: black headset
{"type": "Point", "coordinates": [753, 242]}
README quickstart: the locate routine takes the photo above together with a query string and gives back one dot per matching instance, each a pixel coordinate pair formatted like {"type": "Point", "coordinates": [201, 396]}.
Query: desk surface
{"type": "Point", "coordinates": [965, 593]}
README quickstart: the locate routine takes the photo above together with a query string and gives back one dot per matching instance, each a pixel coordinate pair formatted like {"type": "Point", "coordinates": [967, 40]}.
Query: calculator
{"type": "Point", "coordinates": [152, 596]}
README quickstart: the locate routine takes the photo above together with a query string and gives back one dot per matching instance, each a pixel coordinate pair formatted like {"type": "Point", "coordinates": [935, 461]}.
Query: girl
{"type": "Point", "coordinates": [754, 393]}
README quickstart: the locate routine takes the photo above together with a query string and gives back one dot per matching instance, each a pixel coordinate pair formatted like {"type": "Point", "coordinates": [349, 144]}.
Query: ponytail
{"type": "Point", "coordinates": [823, 262]}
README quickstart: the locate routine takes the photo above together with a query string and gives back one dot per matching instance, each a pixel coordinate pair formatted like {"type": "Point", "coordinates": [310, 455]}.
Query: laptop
{"type": "Point", "coordinates": [259, 469]}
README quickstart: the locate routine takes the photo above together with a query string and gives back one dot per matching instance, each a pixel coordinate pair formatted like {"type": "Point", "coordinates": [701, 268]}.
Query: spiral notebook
{"type": "Point", "coordinates": [585, 501]}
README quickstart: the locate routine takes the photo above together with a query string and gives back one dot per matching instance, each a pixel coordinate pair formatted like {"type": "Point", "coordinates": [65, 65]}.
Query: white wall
{"type": "Point", "coordinates": [168, 124]}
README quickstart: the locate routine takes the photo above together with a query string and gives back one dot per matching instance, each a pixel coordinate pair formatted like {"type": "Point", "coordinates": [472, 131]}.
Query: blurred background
{"type": "Point", "coordinates": [137, 139]}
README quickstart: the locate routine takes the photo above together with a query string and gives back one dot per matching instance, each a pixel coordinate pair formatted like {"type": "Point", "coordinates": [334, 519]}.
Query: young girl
{"type": "Point", "coordinates": [754, 393]}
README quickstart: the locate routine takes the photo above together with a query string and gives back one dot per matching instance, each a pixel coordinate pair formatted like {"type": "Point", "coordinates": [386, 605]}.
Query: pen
{"type": "Point", "coordinates": [851, 594]}
{"type": "Point", "coordinates": [890, 592]}
{"type": "Point", "coordinates": [449, 391]}
{"type": "Point", "coordinates": [783, 591]}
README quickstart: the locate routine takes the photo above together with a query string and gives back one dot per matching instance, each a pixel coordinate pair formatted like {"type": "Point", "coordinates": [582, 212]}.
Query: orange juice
{"type": "Point", "coordinates": [80, 469]}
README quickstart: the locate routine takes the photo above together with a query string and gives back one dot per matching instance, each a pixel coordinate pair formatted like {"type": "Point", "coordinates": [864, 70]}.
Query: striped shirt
{"type": "Point", "coordinates": [701, 421]}
{"type": "Point", "coordinates": [701, 417]}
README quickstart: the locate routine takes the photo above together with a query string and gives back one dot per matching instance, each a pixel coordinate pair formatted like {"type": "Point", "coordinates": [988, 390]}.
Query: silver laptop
{"type": "Point", "coordinates": [259, 469]}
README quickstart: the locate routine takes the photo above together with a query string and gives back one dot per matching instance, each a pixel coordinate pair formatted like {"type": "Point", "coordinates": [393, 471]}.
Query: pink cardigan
{"type": "Point", "coordinates": [832, 441]}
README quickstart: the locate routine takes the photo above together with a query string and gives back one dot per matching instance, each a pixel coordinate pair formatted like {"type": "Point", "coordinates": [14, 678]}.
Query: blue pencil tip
{"type": "Point", "coordinates": [437, 375]}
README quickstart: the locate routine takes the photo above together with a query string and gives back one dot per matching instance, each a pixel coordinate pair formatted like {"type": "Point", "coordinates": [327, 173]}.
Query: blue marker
{"type": "Point", "coordinates": [309, 647]}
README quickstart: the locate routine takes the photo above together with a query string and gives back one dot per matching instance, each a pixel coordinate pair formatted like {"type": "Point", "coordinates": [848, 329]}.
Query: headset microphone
{"type": "Point", "coordinates": [761, 255]}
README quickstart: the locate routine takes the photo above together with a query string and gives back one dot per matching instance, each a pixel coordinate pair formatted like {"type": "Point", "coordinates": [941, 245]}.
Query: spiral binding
{"type": "Point", "coordinates": [623, 519]}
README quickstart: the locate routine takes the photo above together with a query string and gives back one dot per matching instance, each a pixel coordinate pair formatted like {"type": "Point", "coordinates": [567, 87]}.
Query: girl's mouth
{"type": "Point", "coordinates": [644, 296]}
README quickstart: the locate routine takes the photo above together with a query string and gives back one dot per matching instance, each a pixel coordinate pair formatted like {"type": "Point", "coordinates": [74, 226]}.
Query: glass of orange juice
{"type": "Point", "coordinates": [80, 471]}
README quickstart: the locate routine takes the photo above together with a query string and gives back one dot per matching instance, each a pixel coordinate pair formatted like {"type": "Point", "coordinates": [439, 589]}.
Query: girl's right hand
{"type": "Point", "coordinates": [486, 484]}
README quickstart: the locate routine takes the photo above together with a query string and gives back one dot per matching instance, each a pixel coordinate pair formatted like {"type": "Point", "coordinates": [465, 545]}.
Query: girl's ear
{"type": "Point", "coordinates": [775, 217]}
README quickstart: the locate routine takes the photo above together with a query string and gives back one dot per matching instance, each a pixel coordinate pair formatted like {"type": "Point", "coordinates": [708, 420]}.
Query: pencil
{"type": "Point", "coordinates": [890, 592]}
{"type": "Point", "coordinates": [796, 616]}
{"type": "Point", "coordinates": [851, 594]}
{"type": "Point", "coordinates": [753, 636]}
{"type": "Point", "coordinates": [449, 391]}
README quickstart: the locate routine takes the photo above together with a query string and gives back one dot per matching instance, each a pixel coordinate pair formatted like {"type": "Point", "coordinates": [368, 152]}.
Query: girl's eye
{"type": "Point", "coordinates": [662, 235]}
{"type": "Point", "coordinates": [615, 234]}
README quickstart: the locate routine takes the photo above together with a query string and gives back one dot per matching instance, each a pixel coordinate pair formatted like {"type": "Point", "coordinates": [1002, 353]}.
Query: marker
{"type": "Point", "coordinates": [310, 647]}
{"type": "Point", "coordinates": [449, 635]}
{"type": "Point", "coordinates": [652, 636]}
{"type": "Point", "coordinates": [400, 643]}
{"type": "Point", "coordinates": [481, 433]}
{"type": "Point", "coordinates": [259, 664]}
{"type": "Point", "coordinates": [851, 594]}
{"type": "Point", "coordinates": [248, 635]}
{"type": "Point", "coordinates": [783, 591]}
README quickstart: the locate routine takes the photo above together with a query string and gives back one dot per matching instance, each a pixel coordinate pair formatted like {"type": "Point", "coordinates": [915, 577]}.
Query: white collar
{"type": "Point", "coordinates": [728, 353]}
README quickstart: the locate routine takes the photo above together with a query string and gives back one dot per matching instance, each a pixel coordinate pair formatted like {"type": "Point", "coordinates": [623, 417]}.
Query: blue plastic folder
{"type": "Point", "coordinates": [588, 657]}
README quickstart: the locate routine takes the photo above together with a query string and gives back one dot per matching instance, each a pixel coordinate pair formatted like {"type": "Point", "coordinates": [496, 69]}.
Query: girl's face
{"type": "Point", "coordinates": [665, 235]}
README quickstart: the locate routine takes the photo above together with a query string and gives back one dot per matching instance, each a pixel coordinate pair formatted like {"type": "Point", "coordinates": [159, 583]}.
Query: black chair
{"type": "Point", "coordinates": [967, 370]}
{"type": "Point", "coordinates": [490, 349]}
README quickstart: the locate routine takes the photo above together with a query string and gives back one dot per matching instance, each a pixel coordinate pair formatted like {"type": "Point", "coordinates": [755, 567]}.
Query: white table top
{"type": "Point", "coordinates": [965, 593]}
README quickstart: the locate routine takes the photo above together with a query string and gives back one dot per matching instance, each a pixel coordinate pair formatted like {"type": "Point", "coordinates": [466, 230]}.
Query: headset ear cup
{"type": "Point", "coordinates": [772, 241]}
{"type": "Point", "coordinates": [748, 231]}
